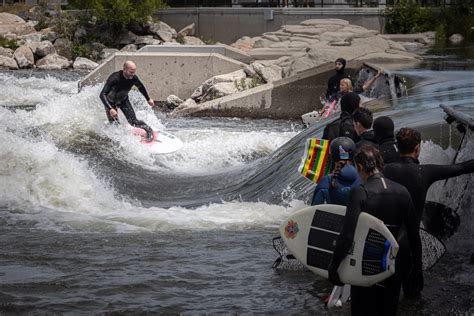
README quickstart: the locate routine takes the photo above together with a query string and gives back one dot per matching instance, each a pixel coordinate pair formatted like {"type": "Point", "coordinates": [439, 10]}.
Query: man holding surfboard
{"type": "Point", "coordinates": [114, 96]}
{"type": "Point", "coordinates": [391, 203]}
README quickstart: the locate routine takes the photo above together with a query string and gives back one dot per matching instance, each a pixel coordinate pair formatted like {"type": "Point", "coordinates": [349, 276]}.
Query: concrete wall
{"type": "Point", "coordinates": [226, 25]}
{"type": "Point", "coordinates": [286, 98]}
{"type": "Point", "coordinates": [167, 73]}
{"type": "Point", "coordinates": [221, 49]}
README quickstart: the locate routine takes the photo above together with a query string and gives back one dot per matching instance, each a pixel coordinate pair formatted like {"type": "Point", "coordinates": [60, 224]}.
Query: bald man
{"type": "Point", "coordinates": [114, 96]}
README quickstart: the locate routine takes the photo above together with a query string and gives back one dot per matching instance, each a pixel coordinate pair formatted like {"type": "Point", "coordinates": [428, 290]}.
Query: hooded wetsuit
{"type": "Point", "coordinates": [391, 203]}
{"type": "Point", "coordinates": [333, 82]}
{"type": "Point", "coordinates": [385, 139]}
{"type": "Point", "coordinates": [418, 179]}
{"type": "Point", "coordinates": [339, 193]}
{"type": "Point", "coordinates": [115, 95]}
{"type": "Point", "coordinates": [344, 125]}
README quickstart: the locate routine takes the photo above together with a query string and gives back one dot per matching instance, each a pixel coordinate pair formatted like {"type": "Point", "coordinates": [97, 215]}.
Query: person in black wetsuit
{"type": "Point", "coordinates": [332, 91]}
{"type": "Point", "coordinates": [363, 119]}
{"type": "Point", "coordinates": [391, 203]}
{"type": "Point", "coordinates": [417, 179]}
{"type": "Point", "coordinates": [384, 137]}
{"type": "Point", "coordinates": [114, 96]}
{"type": "Point", "coordinates": [343, 126]}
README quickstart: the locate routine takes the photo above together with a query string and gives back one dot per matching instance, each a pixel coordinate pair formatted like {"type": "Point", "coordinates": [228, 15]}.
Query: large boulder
{"type": "Point", "coordinates": [7, 63]}
{"type": "Point", "coordinates": [84, 64]}
{"type": "Point", "coordinates": [156, 28]}
{"type": "Point", "coordinates": [45, 48]}
{"type": "Point", "coordinates": [53, 62]}
{"type": "Point", "coordinates": [24, 57]}
{"type": "Point", "coordinates": [219, 90]}
{"type": "Point", "coordinates": [7, 52]}
{"type": "Point", "coordinates": [63, 47]}
{"type": "Point", "coordinates": [10, 23]}
{"type": "Point", "coordinates": [191, 40]}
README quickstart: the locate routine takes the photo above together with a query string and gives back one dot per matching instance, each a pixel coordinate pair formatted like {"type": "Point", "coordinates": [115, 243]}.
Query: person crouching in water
{"type": "Point", "coordinates": [391, 203]}
{"type": "Point", "coordinates": [114, 96]}
{"type": "Point", "coordinates": [335, 188]}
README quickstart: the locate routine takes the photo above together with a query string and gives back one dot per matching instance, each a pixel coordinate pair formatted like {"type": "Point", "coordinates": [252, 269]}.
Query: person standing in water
{"type": "Point", "coordinates": [391, 203]}
{"type": "Point", "coordinates": [418, 178]}
{"type": "Point", "coordinates": [114, 96]}
{"type": "Point", "coordinates": [335, 188]}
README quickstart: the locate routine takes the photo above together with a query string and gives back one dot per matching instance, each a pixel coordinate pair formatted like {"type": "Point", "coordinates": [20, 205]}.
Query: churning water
{"type": "Point", "coordinates": [90, 222]}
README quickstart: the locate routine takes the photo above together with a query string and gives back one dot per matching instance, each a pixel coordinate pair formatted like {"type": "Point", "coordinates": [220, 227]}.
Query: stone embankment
{"type": "Point", "coordinates": [294, 49]}
{"type": "Point", "coordinates": [47, 49]}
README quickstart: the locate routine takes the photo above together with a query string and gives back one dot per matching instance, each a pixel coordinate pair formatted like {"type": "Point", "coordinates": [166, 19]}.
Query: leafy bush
{"type": "Point", "coordinates": [408, 16]}
{"type": "Point", "coordinates": [7, 43]}
{"type": "Point", "coordinates": [118, 14]}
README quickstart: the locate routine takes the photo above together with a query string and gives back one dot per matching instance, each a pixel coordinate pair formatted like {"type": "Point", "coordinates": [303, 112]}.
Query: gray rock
{"type": "Point", "coordinates": [10, 23]}
{"type": "Point", "coordinates": [53, 62]}
{"type": "Point", "coordinates": [7, 52]}
{"type": "Point", "coordinates": [188, 30]}
{"type": "Point", "coordinates": [129, 48]}
{"type": "Point", "coordinates": [33, 37]}
{"type": "Point", "coordinates": [7, 63]}
{"type": "Point", "coordinates": [24, 57]}
{"type": "Point", "coordinates": [80, 32]}
{"type": "Point", "coordinates": [45, 48]}
{"type": "Point", "coordinates": [319, 22]}
{"type": "Point", "coordinates": [107, 52]}
{"type": "Point", "coordinates": [127, 38]}
{"type": "Point", "coordinates": [49, 35]}
{"type": "Point", "coordinates": [147, 40]}
{"type": "Point", "coordinates": [63, 47]}
{"type": "Point", "coordinates": [219, 90]}
{"type": "Point", "coordinates": [84, 63]}
{"type": "Point", "coordinates": [456, 38]}
{"type": "Point", "coordinates": [191, 40]}
{"type": "Point", "coordinates": [154, 28]}
{"type": "Point", "coordinates": [165, 36]}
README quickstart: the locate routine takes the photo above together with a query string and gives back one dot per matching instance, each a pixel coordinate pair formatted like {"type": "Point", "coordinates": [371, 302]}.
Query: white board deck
{"type": "Point", "coordinates": [311, 234]}
{"type": "Point", "coordinates": [162, 143]}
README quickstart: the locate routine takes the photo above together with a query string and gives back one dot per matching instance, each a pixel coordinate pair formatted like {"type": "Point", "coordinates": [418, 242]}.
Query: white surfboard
{"type": "Point", "coordinates": [311, 234]}
{"type": "Point", "coordinates": [162, 143]}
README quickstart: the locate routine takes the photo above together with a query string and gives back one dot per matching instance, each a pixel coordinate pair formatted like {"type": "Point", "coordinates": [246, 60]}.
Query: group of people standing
{"type": "Point", "coordinates": [377, 171]}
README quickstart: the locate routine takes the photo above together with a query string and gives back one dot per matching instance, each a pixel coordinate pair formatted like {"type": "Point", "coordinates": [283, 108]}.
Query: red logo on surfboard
{"type": "Point", "coordinates": [291, 229]}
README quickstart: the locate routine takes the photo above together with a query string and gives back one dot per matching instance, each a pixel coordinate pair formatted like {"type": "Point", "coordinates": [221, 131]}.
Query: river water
{"type": "Point", "coordinates": [91, 223]}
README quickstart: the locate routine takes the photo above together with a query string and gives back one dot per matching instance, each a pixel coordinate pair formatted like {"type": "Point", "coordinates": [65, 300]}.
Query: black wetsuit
{"type": "Point", "coordinates": [115, 95]}
{"type": "Point", "coordinates": [389, 150]}
{"type": "Point", "coordinates": [343, 126]}
{"type": "Point", "coordinates": [366, 138]}
{"type": "Point", "coordinates": [418, 179]}
{"type": "Point", "coordinates": [391, 203]}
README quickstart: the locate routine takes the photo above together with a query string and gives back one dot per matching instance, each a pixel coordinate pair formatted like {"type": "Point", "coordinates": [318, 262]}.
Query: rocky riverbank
{"type": "Point", "coordinates": [30, 42]}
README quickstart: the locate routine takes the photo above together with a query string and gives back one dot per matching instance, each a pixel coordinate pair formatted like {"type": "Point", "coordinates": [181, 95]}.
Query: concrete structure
{"type": "Point", "coordinates": [223, 50]}
{"type": "Point", "coordinates": [226, 25]}
{"type": "Point", "coordinates": [167, 73]}
{"type": "Point", "coordinates": [286, 98]}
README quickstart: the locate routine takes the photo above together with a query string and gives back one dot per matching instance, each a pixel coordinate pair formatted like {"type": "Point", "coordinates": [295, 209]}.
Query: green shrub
{"type": "Point", "coordinates": [118, 14]}
{"type": "Point", "coordinates": [8, 43]}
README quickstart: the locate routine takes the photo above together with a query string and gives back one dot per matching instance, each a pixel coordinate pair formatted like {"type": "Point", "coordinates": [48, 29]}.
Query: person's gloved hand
{"type": "Point", "coordinates": [333, 275]}
{"type": "Point", "coordinates": [415, 285]}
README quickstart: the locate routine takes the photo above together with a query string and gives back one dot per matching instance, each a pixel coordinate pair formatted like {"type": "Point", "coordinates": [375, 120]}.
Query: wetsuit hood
{"type": "Point", "coordinates": [350, 102]}
{"type": "Point", "coordinates": [383, 129]}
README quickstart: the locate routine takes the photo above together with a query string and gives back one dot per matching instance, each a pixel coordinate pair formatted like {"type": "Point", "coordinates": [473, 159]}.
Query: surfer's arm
{"type": "Point", "coordinates": [435, 173]}
{"type": "Point", "coordinates": [105, 91]}
{"type": "Point", "coordinates": [142, 89]}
